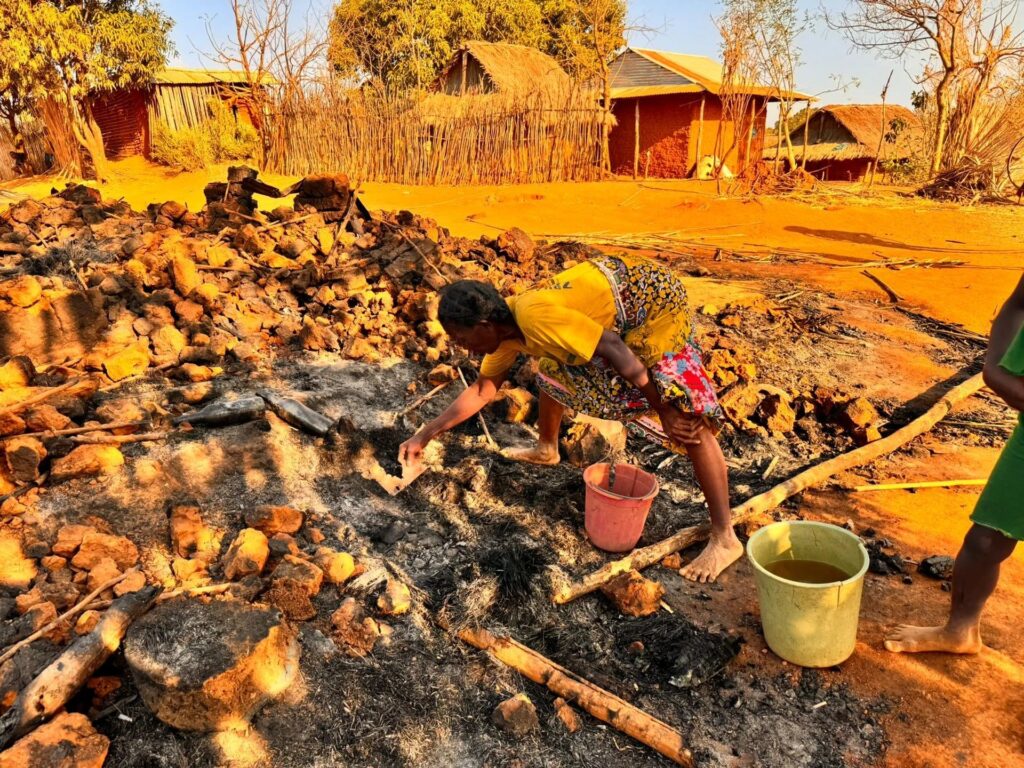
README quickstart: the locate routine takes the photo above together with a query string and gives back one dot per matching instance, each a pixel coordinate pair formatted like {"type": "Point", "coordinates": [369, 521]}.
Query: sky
{"type": "Point", "coordinates": [684, 26]}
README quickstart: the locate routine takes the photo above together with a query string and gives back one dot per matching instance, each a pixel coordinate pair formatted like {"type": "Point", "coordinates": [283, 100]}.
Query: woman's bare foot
{"type": "Point", "coordinates": [908, 639]}
{"type": "Point", "coordinates": [721, 552]}
{"type": "Point", "coordinates": [540, 454]}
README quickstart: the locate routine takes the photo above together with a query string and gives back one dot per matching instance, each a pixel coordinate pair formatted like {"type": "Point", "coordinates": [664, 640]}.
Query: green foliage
{"type": "Point", "coordinates": [405, 43]}
{"type": "Point", "coordinates": [217, 140]}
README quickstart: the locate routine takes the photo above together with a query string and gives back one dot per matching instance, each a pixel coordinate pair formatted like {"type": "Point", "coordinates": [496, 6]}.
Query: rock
{"type": "Point", "coordinates": [23, 456]}
{"type": "Point", "coordinates": [11, 424]}
{"type": "Point", "coordinates": [354, 632]}
{"type": "Point", "coordinates": [133, 582]}
{"type": "Point", "coordinates": [776, 414]}
{"type": "Point", "coordinates": [87, 622]}
{"type": "Point", "coordinates": [300, 572]}
{"type": "Point", "coordinates": [189, 534]}
{"type": "Point", "coordinates": [567, 716]}
{"type": "Point", "coordinates": [45, 418]}
{"type": "Point", "coordinates": [247, 555]}
{"type": "Point", "coordinates": [184, 274]}
{"type": "Point", "coordinates": [209, 666]}
{"type": "Point", "coordinates": [325, 239]}
{"type": "Point", "coordinates": [274, 519]}
{"type": "Point", "coordinates": [516, 716]}
{"type": "Point", "coordinates": [517, 404]}
{"type": "Point", "coordinates": [396, 599]}
{"type": "Point", "coordinates": [16, 372]}
{"type": "Point", "coordinates": [173, 210]}
{"type": "Point", "coordinates": [338, 567]}
{"type": "Point", "coordinates": [54, 563]}
{"type": "Point", "coordinates": [633, 594]}
{"type": "Point", "coordinates": [291, 599]}
{"type": "Point", "coordinates": [741, 402]}
{"type": "Point", "coordinates": [105, 570]}
{"type": "Point", "coordinates": [282, 544]}
{"type": "Point", "coordinates": [22, 291]}
{"type": "Point", "coordinates": [67, 741]}
{"type": "Point", "coordinates": [516, 245]}
{"type": "Point", "coordinates": [672, 562]}
{"type": "Point", "coordinates": [589, 440]}
{"type": "Point", "coordinates": [69, 539]}
{"type": "Point", "coordinates": [97, 546]}
{"type": "Point", "coordinates": [130, 361]}
{"type": "Point", "coordinates": [937, 567]}
{"type": "Point", "coordinates": [189, 311]}
{"type": "Point", "coordinates": [167, 341]}
{"type": "Point", "coordinates": [858, 414]}
{"type": "Point", "coordinates": [87, 461]}
{"type": "Point", "coordinates": [395, 532]}
{"type": "Point", "coordinates": [441, 374]}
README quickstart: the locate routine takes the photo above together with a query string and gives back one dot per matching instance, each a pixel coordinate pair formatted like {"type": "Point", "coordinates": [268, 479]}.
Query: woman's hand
{"type": "Point", "coordinates": [410, 453]}
{"type": "Point", "coordinates": [681, 428]}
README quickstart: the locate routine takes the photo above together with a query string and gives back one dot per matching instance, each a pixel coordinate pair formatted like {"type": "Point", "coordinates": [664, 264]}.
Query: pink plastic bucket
{"type": "Point", "coordinates": [614, 517]}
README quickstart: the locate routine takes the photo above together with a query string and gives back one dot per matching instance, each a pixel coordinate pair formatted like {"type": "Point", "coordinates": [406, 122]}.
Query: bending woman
{"type": "Point", "coordinates": [615, 341]}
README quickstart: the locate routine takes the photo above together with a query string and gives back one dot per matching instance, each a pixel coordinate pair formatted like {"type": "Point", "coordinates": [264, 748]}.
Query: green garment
{"type": "Point", "coordinates": [1001, 505]}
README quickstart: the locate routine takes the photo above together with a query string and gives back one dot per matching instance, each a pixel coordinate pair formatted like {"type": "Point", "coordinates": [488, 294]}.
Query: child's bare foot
{"type": "Point", "coordinates": [540, 454]}
{"type": "Point", "coordinates": [719, 554]}
{"type": "Point", "coordinates": [909, 639]}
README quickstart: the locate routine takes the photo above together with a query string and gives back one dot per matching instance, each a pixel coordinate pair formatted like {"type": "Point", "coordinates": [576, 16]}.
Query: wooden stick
{"type": "Point", "coordinates": [144, 437]}
{"type": "Point", "coordinates": [642, 558]}
{"type": "Point", "coordinates": [57, 683]}
{"type": "Point", "coordinates": [40, 398]}
{"type": "Point", "coordinates": [424, 398]}
{"type": "Point", "coordinates": [602, 704]}
{"type": "Point", "coordinates": [483, 422]}
{"type": "Point", "coordinates": [47, 434]}
{"type": "Point", "coordinates": [81, 605]}
{"type": "Point", "coordinates": [920, 484]}
{"type": "Point", "coordinates": [894, 297]}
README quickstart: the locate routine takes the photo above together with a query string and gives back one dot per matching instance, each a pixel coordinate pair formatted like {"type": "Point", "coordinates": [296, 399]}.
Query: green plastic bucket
{"type": "Point", "coordinates": [813, 625]}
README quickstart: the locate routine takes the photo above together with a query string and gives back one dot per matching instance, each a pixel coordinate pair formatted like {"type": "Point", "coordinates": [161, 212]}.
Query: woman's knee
{"type": "Point", "coordinates": [988, 544]}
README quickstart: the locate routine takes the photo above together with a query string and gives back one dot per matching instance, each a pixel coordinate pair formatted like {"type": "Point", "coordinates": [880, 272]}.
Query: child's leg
{"type": "Point", "coordinates": [724, 548]}
{"type": "Point", "coordinates": [975, 576]}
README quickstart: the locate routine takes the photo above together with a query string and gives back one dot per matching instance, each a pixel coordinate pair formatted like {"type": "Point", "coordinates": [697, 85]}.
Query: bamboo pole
{"type": "Point", "coordinates": [646, 556]}
{"type": "Point", "coordinates": [807, 134]}
{"type": "Point", "coordinates": [636, 139]}
{"type": "Point", "coordinates": [700, 133]}
{"type": "Point", "coordinates": [921, 484]}
{"type": "Point", "coordinates": [605, 706]}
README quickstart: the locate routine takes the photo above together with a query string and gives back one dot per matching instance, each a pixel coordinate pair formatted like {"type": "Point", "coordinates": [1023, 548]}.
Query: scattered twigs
{"type": "Point", "coordinates": [483, 421]}
{"type": "Point", "coordinates": [39, 398]}
{"type": "Point", "coordinates": [919, 484]}
{"type": "Point", "coordinates": [144, 437]}
{"type": "Point", "coordinates": [603, 705]}
{"type": "Point", "coordinates": [894, 297]}
{"type": "Point", "coordinates": [47, 434]}
{"type": "Point", "coordinates": [642, 558]}
{"type": "Point", "coordinates": [78, 607]}
{"type": "Point", "coordinates": [424, 398]}
{"type": "Point", "coordinates": [57, 683]}
{"type": "Point", "coordinates": [25, 488]}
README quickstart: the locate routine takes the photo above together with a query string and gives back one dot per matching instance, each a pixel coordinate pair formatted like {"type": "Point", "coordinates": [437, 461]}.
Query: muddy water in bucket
{"type": "Point", "coordinates": [809, 581]}
{"type": "Point", "coordinates": [618, 500]}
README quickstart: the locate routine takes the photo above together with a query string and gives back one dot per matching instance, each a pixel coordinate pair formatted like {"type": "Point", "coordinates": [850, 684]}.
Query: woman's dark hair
{"type": "Point", "coordinates": [468, 302]}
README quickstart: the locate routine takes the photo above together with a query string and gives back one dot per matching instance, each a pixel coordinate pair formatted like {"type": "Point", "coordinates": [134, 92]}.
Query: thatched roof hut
{"type": "Point", "coordinates": [853, 132]}
{"type": "Point", "coordinates": [511, 70]}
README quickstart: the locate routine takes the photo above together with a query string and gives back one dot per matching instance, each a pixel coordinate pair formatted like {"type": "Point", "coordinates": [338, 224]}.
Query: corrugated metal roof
{"type": "Point", "coordinates": [175, 76]}
{"type": "Point", "coordinates": [689, 69]}
{"type": "Point", "coordinates": [640, 91]}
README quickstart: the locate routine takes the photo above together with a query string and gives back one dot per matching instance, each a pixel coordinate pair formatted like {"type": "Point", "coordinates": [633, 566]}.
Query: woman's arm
{"type": "Point", "coordinates": [1004, 330]}
{"type": "Point", "coordinates": [677, 426]}
{"type": "Point", "coordinates": [465, 406]}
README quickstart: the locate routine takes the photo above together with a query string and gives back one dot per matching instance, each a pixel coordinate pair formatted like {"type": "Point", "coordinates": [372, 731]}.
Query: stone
{"type": "Point", "coordinates": [395, 600]}
{"type": "Point", "coordinates": [54, 563]}
{"type": "Point", "coordinates": [130, 361]}
{"type": "Point", "coordinates": [105, 570]}
{"type": "Point", "coordinates": [590, 440]}
{"type": "Point", "coordinates": [173, 210]}
{"type": "Point", "coordinates": [516, 716]}
{"type": "Point", "coordinates": [291, 599]}
{"type": "Point", "coordinates": [567, 716]}
{"type": "Point", "coordinates": [672, 562]}
{"type": "Point", "coordinates": [247, 555]}
{"type": "Point", "coordinates": [282, 544]}
{"type": "Point", "coordinates": [87, 622]}
{"type": "Point", "coordinates": [937, 567]}
{"type": "Point", "coordinates": [210, 666]}
{"type": "Point", "coordinates": [633, 594]}
{"type": "Point", "coordinates": [517, 403]}
{"type": "Point", "coordinates": [22, 291]}
{"type": "Point", "coordinates": [69, 539]}
{"type": "Point", "coordinates": [300, 572]}
{"type": "Point", "coordinates": [186, 569]}
{"type": "Point", "coordinates": [184, 274]}
{"type": "Point", "coordinates": [16, 373]}
{"type": "Point", "coordinates": [45, 418]}
{"type": "Point", "coordinates": [338, 567]}
{"type": "Point", "coordinates": [354, 632]}
{"type": "Point", "coordinates": [67, 741]}
{"type": "Point", "coordinates": [776, 413]}
{"type": "Point", "coordinates": [167, 341]}
{"type": "Point", "coordinates": [133, 582]}
{"type": "Point", "coordinates": [189, 311]}
{"type": "Point", "coordinates": [23, 455]}
{"type": "Point", "coordinates": [97, 546]}
{"type": "Point", "coordinates": [516, 245]}
{"type": "Point", "coordinates": [441, 374]}
{"type": "Point", "coordinates": [325, 239]}
{"type": "Point", "coordinates": [189, 534]}
{"type": "Point", "coordinates": [274, 519]}
{"type": "Point", "coordinates": [87, 461]}
{"type": "Point", "coordinates": [858, 414]}
{"type": "Point", "coordinates": [11, 424]}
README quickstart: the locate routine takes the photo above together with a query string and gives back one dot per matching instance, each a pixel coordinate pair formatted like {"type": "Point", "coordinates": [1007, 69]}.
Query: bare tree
{"type": "Point", "coordinates": [960, 37]}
